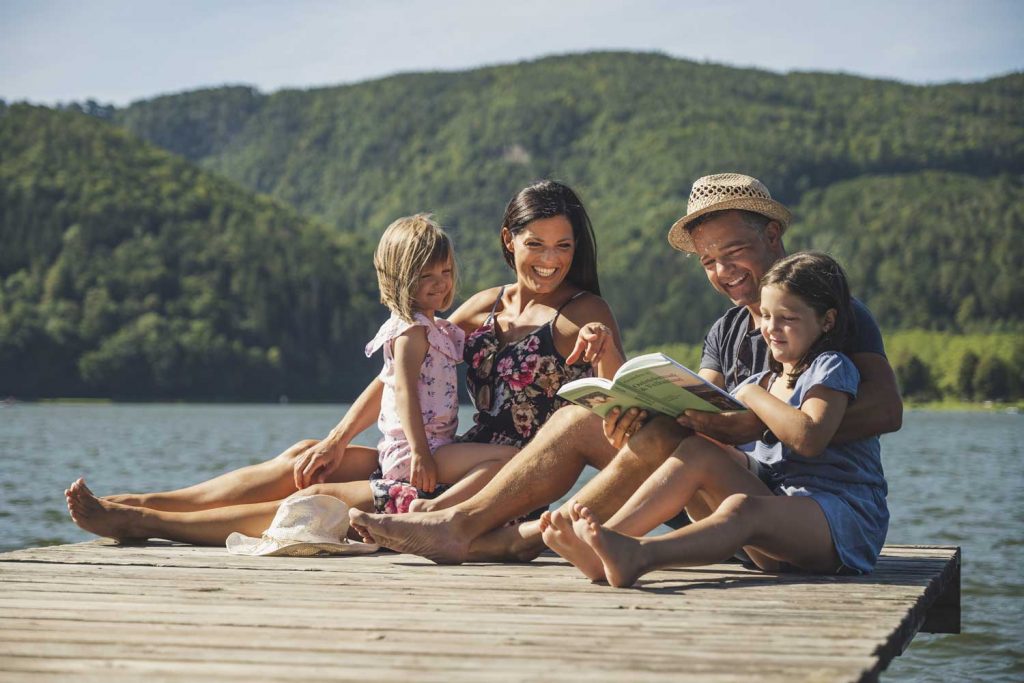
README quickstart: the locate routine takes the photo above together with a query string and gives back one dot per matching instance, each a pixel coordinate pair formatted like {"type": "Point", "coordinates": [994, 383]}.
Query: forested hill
{"type": "Point", "coordinates": [239, 265]}
{"type": "Point", "coordinates": [129, 272]}
{"type": "Point", "coordinates": [917, 189]}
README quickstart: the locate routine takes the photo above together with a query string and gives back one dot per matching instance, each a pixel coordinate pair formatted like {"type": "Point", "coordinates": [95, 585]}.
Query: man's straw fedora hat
{"type": "Point", "coordinates": [303, 526]}
{"type": "Point", "coordinates": [721, 192]}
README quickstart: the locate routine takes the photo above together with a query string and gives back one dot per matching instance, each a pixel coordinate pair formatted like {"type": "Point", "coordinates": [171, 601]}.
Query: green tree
{"type": "Point", "coordinates": [965, 375]}
{"type": "Point", "coordinates": [915, 379]}
{"type": "Point", "coordinates": [992, 379]}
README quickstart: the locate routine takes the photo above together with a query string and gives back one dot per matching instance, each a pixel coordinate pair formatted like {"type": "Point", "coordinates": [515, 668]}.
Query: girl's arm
{"type": "Point", "coordinates": [410, 351]}
{"type": "Point", "coordinates": [313, 466]}
{"type": "Point", "coordinates": [807, 429]}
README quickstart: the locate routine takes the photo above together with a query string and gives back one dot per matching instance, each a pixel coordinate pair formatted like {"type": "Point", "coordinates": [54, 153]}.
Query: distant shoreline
{"type": "Point", "coordinates": [947, 406]}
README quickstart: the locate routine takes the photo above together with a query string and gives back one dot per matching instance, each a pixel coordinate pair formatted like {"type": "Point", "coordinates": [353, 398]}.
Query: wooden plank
{"type": "Point", "coordinates": [168, 611]}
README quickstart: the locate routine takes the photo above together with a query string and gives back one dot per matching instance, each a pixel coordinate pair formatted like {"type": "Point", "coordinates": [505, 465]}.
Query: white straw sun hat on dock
{"type": "Point", "coordinates": [303, 527]}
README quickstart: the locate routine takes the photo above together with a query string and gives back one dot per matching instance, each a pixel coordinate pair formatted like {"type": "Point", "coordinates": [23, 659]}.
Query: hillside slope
{"type": "Point", "coordinates": [129, 272]}
{"type": "Point", "coordinates": [631, 132]}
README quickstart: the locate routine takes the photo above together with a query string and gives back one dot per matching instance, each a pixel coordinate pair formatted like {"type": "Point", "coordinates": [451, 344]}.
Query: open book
{"type": "Point", "coordinates": [652, 382]}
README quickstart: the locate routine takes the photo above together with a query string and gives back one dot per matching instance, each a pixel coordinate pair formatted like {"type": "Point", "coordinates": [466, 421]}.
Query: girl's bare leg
{"type": "Point", "coordinates": [200, 527]}
{"type": "Point", "coordinates": [468, 468]}
{"type": "Point", "coordinates": [698, 473]}
{"type": "Point", "coordinates": [792, 529]}
{"type": "Point", "coordinates": [266, 481]}
{"type": "Point", "coordinates": [461, 490]}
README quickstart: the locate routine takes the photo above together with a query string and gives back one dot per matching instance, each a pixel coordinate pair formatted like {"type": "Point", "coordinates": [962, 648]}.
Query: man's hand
{"type": "Point", "coordinates": [734, 427]}
{"type": "Point", "coordinates": [316, 463]}
{"type": "Point", "coordinates": [618, 427]}
{"type": "Point", "coordinates": [423, 472]}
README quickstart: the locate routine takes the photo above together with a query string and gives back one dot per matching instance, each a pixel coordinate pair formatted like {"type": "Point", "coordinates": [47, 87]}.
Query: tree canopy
{"type": "Point", "coordinates": [251, 239]}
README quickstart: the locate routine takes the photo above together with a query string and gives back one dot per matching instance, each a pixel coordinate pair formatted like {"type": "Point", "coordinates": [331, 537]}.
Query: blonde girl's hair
{"type": "Point", "coordinates": [408, 246]}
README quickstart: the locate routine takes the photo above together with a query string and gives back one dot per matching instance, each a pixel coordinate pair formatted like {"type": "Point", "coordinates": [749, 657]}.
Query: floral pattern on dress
{"type": "Point", "coordinates": [515, 388]}
{"type": "Point", "coordinates": [392, 496]}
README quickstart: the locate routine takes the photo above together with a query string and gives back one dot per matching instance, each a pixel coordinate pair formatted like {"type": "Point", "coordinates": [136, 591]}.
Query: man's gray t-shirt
{"type": "Point", "coordinates": [737, 351]}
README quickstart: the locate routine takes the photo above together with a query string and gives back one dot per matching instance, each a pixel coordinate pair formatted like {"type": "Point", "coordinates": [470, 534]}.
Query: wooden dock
{"type": "Point", "coordinates": [96, 611]}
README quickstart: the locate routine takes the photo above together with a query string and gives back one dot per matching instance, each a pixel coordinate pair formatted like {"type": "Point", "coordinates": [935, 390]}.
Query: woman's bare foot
{"type": "Point", "coordinates": [101, 517]}
{"type": "Point", "coordinates": [131, 499]}
{"type": "Point", "coordinates": [620, 555]}
{"type": "Point", "coordinates": [437, 536]}
{"type": "Point", "coordinates": [558, 535]}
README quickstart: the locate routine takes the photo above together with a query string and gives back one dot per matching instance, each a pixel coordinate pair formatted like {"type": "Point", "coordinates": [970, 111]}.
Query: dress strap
{"type": "Point", "coordinates": [494, 306]}
{"type": "Point", "coordinates": [575, 296]}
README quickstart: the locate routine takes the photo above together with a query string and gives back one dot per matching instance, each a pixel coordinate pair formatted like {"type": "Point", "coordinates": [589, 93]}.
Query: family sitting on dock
{"type": "Point", "coordinates": [793, 483]}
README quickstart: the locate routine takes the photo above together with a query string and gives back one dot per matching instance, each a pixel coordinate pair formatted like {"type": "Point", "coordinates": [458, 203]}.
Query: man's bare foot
{"type": "Point", "coordinates": [101, 517]}
{"type": "Point", "coordinates": [508, 543]}
{"type": "Point", "coordinates": [558, 534]}
{"type": "Point", "coordinates": [620, 555]}
{"type": "Point", "coordinates": [436, 536]}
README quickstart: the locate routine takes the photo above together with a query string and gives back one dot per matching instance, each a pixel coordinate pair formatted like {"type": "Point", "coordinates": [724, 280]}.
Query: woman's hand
{"type": "Point", "coordinates": [423, 472]}
{"type": "Point", "coordinates": [592, 343]}
{"type": "Point", "coordinates": [619, 426]}
{"type": "Point", "coordinates": [317, 462]}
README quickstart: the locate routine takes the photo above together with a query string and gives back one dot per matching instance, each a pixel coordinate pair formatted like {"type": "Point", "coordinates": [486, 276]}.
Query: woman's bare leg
{"type": "Point", "coordinates": [266, 481]}
{"type": "Point", "coordinates": [199, 527]}
{"type": "Point", "coordinates": [792, 529]}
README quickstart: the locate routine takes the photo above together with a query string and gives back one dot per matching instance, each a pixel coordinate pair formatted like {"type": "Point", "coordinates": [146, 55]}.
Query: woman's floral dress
{"type": "Point", "coordinates": [515, 388]}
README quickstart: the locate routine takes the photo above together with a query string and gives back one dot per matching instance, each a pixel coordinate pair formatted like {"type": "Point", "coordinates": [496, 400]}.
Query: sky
{"type": "Point", "coordinates": [118, 51]}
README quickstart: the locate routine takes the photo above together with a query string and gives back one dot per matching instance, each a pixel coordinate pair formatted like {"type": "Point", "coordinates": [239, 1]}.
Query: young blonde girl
{"type": "Point", "coordinates": [797, 500]}
{"type": "Point", "coordinates": [419, 406]}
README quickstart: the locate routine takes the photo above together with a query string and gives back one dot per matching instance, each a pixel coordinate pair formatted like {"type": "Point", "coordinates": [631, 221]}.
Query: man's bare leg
{"type": "Point", "coordinates": [606, 492]}
{"type": "Point", "coordinates": [266, 481]}
{"type": "Point", "coordinates": [542, 472]}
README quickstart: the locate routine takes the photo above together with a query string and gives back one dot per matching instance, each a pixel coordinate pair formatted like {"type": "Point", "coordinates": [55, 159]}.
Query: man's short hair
{"type": "Point", "coordinates": [752, 219]}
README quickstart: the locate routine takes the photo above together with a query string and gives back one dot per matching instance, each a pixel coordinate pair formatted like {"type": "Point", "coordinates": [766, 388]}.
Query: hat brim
{"type": "Point", "coordinates": [239, 544]}
{"type": "Point", "coordinates": [679, 237]}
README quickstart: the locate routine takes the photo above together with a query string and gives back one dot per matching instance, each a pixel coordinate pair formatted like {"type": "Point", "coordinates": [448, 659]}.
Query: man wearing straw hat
{"type": "Point", "coordinates": [735, 227]}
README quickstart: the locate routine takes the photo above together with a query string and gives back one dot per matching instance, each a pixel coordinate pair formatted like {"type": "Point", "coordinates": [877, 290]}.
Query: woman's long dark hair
{"type": "Point", "coordinates": [547, 199]}
{"type": "Point", "coordinates": [820, 282]}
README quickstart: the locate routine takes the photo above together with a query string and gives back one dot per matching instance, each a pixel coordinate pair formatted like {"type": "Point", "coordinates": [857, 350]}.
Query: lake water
{"type": "Point", "coordinates": [954, 478]}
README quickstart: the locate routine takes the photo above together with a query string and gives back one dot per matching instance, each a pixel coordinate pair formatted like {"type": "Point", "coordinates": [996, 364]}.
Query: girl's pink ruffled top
{"type": "Point", "coordinates": [438, 383]}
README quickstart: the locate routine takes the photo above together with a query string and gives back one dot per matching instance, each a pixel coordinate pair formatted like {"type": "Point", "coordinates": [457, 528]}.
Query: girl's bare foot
{"type": "Point", "coordinates": [557, 532]}
{"type": "Point", "coordinates": [620, 555]}
{"type": "Point", "coordinates": [101, 517]}
{"type": "Point", "coordinates": [421, 505]}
